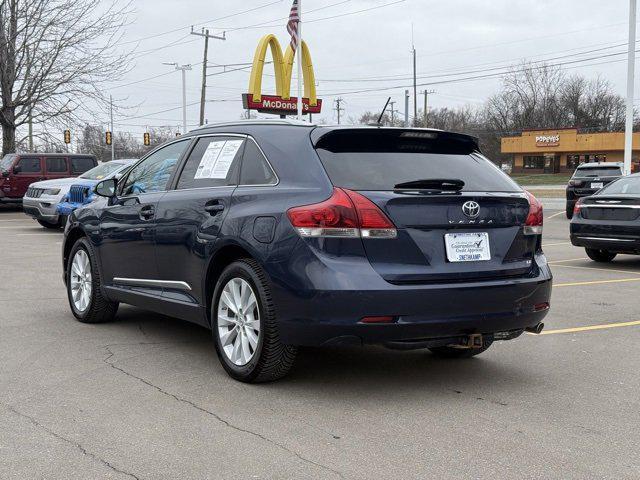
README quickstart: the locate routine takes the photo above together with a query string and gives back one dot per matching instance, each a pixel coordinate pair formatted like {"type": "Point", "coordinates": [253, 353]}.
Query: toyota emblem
{"type": "Point", "coordinates": [471, 209]}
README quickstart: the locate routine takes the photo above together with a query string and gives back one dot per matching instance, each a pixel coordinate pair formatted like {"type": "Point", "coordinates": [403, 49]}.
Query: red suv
{"type": "Point", "coordinates": [19, 170]}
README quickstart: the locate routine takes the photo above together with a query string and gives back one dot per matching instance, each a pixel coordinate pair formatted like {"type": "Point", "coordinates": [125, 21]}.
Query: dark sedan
{"type": "Point", "coordinates": [608, 223]}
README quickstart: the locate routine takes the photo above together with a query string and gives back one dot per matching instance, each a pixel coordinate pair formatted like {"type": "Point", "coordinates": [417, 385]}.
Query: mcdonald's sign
{"type": "Point", "coordinates": [282, 102]}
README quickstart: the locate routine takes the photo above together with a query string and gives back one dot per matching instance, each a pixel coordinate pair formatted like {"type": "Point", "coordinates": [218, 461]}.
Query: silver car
{"type": "Point", "coordinates": [41, 198]}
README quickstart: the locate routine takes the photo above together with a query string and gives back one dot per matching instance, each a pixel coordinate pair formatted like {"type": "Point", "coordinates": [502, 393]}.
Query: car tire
{"type": "Point", "coordinates": [52, 226]}
{"type": "Point", "coordinates": [600, 256]}
{"type": "Point", "coordinates": [266, 358]}
{"type": "Point", "coordinates": [96, 308]}
{"type": "Point", "coordinates": [453, 352]}
{"type": "Point", "coordinates": [569, 211]}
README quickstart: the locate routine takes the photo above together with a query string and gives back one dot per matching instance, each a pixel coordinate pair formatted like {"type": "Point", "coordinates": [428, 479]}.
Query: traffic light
{"type": "Point", "coordinates": [67, 136]}
{"type": "Point", "coordinates": [108, 138]}
{"type": "Point", "coordinates": [147, 139]}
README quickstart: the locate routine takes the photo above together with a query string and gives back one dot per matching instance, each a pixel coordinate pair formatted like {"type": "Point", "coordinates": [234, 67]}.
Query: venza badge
{"type": "Point", "coordinates": [471, 209]}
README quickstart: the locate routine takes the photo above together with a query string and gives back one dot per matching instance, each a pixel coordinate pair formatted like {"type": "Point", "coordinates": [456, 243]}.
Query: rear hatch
{"type": "Point", "coordinates": [589, 179]}
{"type": "Point", "coordinates": [458, 217]}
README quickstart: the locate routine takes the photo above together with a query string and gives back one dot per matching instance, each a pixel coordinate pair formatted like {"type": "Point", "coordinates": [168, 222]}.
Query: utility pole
{"type": "Point", "coordinates": [415, 86]}
{"type": "Point", "coordinates": [30, 131]}
{"type": "Point", "coordinates": [426, 95]}
{"type": "Point", "coordinates": [393, 112]}
{"type": "Point", "coordinates": [338, 108]}
{"type": "Point", "coordinates": [183, 69]}
{"type": "Point", "coordinates": [203, 96]}
{"type": "Point", "coordinates": [406, 108]}
{"type": "Point", "coordinates": [113, 148]}
{"type": "Point", "coordinates": [631, 59]}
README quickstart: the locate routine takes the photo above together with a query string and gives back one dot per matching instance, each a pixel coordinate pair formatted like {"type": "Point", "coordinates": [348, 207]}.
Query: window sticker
{"type": "Point", "coordinates": [217, 159]}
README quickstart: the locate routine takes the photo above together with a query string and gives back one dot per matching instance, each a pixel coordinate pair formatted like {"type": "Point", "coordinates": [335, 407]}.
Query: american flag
{"type": "Point", "coordinates": [292, 25]}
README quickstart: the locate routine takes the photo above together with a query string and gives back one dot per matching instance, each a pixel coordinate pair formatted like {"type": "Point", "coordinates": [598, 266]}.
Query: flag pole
{"type": "Point", "coordinates": [299, 52]}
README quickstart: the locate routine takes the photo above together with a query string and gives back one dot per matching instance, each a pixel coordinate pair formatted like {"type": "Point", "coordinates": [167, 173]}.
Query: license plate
{"type": "Point", "coordinates": [467, 247]}
{"type": "Point", "coordinates": [597, 185]}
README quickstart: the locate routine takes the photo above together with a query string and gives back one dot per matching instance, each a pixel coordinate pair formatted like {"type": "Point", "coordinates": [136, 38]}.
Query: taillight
{"type": "Point", "coordinates": [346, 214]}
{"type": "Point", "coordinates": [577, 207]}
{"type": "Point", "coordinates": [535, 218]}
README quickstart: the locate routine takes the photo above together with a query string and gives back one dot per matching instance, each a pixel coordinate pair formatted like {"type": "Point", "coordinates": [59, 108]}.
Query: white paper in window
{"type": "Point", "coordinates": [225, 159]}
{"type": "Point", "coordinates": [217, 159]}
{"type": "Point", "coordinates": [208, 161]}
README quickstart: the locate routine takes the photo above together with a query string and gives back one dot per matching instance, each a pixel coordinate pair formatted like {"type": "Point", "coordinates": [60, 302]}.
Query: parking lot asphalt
{"type": "Point", "coordinates": [145, 397]}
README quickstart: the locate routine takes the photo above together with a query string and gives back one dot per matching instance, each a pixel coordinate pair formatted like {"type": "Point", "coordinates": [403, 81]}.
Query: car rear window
{"type": "Point", "coordinates": [379, 160]}
{"type": "Point", "coordinates": [623, 186]}
{"type": "Point", "coordinates": [598, 172]}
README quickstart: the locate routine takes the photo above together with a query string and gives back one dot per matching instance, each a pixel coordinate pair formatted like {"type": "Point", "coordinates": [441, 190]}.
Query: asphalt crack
{"type": "Point", "coordinates": [78, 446]}
{"type": "Point", "coordinates": [215, 415]}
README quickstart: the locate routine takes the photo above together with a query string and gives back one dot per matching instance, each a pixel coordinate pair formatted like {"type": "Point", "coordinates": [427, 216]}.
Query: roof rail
{"type": "Point", "coordinates": [265, 121]}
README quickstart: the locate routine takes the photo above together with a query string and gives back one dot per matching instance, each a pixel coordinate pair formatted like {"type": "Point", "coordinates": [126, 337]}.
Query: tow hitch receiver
{"type": "Point", "coordinates": [474, 341]}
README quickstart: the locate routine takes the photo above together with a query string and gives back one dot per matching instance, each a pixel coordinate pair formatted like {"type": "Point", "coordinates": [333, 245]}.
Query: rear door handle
{"type": "Point", "coordinates": [214, 207]}
{"type": "Point", "coordinates": [147, 212]}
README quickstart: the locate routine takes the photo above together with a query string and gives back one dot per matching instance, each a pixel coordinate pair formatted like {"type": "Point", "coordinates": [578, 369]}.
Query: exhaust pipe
{"type": "Point", "coordinates": [537, 329]}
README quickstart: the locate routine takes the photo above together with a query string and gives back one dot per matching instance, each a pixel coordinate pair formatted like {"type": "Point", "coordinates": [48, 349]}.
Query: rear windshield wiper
{"type": "Point", "coordinates": [439, 184]}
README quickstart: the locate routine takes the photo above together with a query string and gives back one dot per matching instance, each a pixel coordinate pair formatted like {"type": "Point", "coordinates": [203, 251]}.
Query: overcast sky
{"type": "Point", "coordinates": [354, 50]}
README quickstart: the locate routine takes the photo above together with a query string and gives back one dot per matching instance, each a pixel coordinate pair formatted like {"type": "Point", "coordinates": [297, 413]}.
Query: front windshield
{"type": "Point", "coordinates": [6, 162]}
{"type": "Point", "coordinates": [624, 186]}
{"type": "Point", "coordinates": [102, 171]}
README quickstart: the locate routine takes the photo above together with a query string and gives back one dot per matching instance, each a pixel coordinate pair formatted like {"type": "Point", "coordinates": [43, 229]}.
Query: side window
{"type": "Point", "coordinates": [56, 164]}
{"type": "Point", "coordinates": [214, 162]}
{"type": "Point", "coordinates": [255, 168]}
{"type": "Point", "coordinates": [29, 165]}
{"type": "Point", "coordinates": [81, 164]}
{"type": "Point", "coordinates": [153, 173]}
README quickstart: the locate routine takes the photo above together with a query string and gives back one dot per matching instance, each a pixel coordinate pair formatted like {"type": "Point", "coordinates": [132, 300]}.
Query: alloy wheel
{"type": "Point", "coordinates": [81, 281]}
{"type": "Point", "coordinates": [238, 321]}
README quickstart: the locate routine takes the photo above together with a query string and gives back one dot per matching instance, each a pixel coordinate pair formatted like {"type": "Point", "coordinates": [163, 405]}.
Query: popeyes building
{"type": "Point", "coordinates": [562, 150]}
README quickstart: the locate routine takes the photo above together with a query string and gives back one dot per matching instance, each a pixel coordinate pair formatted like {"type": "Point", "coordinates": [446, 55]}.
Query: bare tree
{"type": "Point", "coordinates": [54, 56]}
{"type": "Point", "coordinates": [542, 96]}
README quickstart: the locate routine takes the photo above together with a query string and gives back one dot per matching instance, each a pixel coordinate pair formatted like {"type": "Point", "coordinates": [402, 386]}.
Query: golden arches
{"type": "Point", "coordinates": [283, 68]}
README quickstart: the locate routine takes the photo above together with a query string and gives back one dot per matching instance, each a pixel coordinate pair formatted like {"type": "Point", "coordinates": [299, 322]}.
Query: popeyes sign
{"type": "Point", "coordinates": [282, 103]}
{"type": "Point", "coordinates": [547, 140]}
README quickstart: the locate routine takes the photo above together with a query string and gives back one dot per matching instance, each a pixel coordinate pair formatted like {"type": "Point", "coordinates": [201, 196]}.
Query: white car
{"type": "Point", "coordinates": [41, 198]}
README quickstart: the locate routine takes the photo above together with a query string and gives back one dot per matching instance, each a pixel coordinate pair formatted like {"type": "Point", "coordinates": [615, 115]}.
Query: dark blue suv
{"type": "Point", "coordinates": [278, 234]}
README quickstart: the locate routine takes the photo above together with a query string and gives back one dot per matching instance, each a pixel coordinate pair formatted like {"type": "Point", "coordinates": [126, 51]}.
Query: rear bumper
{"type": "Point", "coordinates": [623, 237]}
{"type": "Point", "coordinates": [10, 201]}
{"type": "Point", "coordinates": [40, 209]}
{"type": "Point", "coordinates": [421, 312]}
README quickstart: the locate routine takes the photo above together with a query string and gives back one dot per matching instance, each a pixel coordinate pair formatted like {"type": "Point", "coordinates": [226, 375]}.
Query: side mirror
{"type": "Point", "coordinates": [106, 188]}
{"type": "Point", "coordinates": [17, 169]}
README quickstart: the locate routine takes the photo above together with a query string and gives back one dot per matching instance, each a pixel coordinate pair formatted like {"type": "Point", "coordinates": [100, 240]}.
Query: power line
{"type": "Point", "coordinates": [476, 77]}
{"type": "Point", "coordinates": [265, 5]}
{"type": "Point", "coordinates": [458, 72]}
{"type": "Point", "coordinates": [490, 45]}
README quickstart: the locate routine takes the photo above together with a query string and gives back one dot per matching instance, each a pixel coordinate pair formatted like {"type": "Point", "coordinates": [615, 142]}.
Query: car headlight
{"type": "Point", "coordinates": [51, 191]}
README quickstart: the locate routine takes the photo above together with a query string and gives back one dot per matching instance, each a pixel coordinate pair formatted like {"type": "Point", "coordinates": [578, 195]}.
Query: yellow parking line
{"type": "Point", "coordinates": [554, 215]}
{"type": "Point", "coordinates": [596, 282]}
{"type": "Point", "coordinates": [568, 260]}
{"type": "Point", "coordinates": [544, 245]}
{"type": "Point", "coordinates": [598, 269]}
{"type": "Point", "coordinates": [590, 327]}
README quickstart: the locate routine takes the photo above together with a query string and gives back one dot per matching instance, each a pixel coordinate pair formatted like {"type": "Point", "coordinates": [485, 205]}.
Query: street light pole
{"type": "Point", "coordinates": [113, 147]}
{"type": "Point", "coordinates": [183, 69]}
{"type": "Point", "coordinates": [631, 60]}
